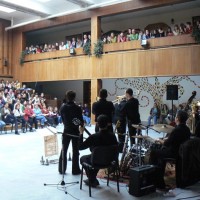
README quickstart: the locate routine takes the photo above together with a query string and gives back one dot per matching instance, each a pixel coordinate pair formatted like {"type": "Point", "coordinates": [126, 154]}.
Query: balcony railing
{"type": "Point", "coordinates": [114, 47]}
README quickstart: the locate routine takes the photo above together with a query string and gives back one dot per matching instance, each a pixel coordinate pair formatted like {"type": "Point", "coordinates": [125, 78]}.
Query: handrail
{"type": "Point", "coordinates": [114, 47]}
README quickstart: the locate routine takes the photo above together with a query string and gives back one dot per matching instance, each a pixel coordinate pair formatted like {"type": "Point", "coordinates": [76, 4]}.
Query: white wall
{"type": "Point", "coordinates": [148, 89]}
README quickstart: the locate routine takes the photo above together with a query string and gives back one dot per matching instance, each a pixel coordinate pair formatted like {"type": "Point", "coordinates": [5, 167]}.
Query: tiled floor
{"type": "Point", "coordinates": [22, 177]}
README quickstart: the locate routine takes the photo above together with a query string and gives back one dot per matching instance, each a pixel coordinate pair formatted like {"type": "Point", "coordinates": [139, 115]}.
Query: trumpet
{"type": "Point", "coordinates": [118, 99]}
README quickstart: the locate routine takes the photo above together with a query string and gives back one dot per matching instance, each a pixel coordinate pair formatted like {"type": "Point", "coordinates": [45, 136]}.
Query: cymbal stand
{"type": "Point", "coordinates": [62, 183]}
{"type": "Point", "coordinates": [139, 141]}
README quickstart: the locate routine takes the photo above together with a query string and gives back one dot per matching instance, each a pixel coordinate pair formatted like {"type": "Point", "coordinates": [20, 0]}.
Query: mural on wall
{"type": "Point", "coordinates": [149, 89]}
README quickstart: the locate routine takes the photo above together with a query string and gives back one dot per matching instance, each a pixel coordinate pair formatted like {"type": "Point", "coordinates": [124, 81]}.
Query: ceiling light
{"type": "Point", "coordinates": [7, 10]}
{"type": "Point", "coordinates": [43, 1]}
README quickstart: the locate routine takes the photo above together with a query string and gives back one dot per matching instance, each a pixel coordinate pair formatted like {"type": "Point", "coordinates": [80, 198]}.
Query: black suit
{"type": "Point", "coordinates": [131, 111]}
{"type": "Point", "coordinates": [170, 149]}
{"type": "Point", "coordinates": [102, 138]}
{"type": "Point", "coordinates": [72, 117]}
{"type": "Point", "coordinates": [103, 107]}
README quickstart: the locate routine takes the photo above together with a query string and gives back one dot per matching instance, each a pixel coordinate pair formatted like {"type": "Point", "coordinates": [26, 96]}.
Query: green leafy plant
{"type": "Point", "coordinates": [98, 48]}
{"type": "Point", "coordinates": [196, 34]}
{"type": "Point", "coordinates": [22, 57]}
{"type": "Point", "coordinates": [87, 48]}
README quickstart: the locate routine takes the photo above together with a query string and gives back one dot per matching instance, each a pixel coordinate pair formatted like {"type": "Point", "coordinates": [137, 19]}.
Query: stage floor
{"type": "Point", "coordinates": [22, 176]}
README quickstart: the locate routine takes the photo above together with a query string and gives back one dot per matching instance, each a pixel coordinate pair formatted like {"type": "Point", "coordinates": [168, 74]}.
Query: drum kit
{"type": "Point", "coordinates": [136, 154]}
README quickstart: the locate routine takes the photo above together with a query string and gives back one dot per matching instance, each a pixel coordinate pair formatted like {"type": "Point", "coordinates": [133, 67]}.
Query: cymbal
{"type": "Point", "coordinates": [164, 128]}
{"type": "Point", "coordinates": [139, 126]}
{"type": "Point", "coordinates": [140, 136]}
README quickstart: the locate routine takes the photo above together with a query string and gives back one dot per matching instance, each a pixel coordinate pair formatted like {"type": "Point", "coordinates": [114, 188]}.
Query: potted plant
{"type": "Point", "coordinates": [98, 48]}
{"type": "Point", "coordinates": [22, 57]}
{"type": "Point", "coordinates": [87, 48]}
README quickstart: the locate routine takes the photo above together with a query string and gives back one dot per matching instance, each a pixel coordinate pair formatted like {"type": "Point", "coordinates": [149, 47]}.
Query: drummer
{"type": "Point", "coordinates": [170, 148]}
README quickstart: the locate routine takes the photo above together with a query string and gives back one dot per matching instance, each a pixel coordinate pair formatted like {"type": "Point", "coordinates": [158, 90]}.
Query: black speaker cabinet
{"type": "Point", "coordinates": [172, 92]}
{"type": "Point", "coordinates": [141, 180]}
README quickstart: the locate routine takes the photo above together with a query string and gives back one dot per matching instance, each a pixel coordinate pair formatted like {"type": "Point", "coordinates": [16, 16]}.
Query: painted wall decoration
{"type": "Point", "coordinates": [149, 89]}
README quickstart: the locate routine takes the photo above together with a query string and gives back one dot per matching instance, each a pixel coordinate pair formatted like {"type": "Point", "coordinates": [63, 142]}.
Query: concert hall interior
{"type": "Point", "coordinates": [65, 65]}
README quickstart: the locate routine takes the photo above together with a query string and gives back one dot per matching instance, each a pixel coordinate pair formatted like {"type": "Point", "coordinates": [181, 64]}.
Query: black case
{"type": "Point", "coordinates": [141, 180]}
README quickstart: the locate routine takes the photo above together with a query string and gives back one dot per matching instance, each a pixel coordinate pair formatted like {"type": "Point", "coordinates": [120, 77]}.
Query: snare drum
{"type": "Point", "coordinates": [135, 149]}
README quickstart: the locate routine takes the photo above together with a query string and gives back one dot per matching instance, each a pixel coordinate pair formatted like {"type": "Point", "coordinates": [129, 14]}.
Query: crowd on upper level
{"type": "Point", "coordinates": [124, 36]}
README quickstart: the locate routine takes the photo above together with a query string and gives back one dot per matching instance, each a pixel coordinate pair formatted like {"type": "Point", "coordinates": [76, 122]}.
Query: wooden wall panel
{"type": "Point", "coordinates": [183, 60]}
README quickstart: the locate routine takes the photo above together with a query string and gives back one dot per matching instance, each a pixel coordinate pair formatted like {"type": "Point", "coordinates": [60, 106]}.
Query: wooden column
{"type": "Point", "coordinates": [96, 85]}
{"type": "Point", "coordinates": [95, 30]}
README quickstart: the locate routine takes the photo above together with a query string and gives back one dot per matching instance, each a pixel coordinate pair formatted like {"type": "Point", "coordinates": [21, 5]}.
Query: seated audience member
{"type": "Point", "coordinates": [2, 123]}
{"type": "Point", "coordinates": [68, 44]}
{"type": "Point", "coordinates": [170, 149]}
{"type": "Point", "coordinates": [39, 115]}
{"type": "Point", "coordinates": [155, 33]}
{"type": "Point", "coordinates": [176, 30]}
{"type": "Point", "coordinates": [8, 117]}
{"type": "Point", "coordinates": [45, 49]}
{"type": "Point", "coordinates": [79, 43]}
{"type": "Point", "coordinates": [53, 119]}
{"type": "Point", "coordinates": [163, 113]}
{"type": "Point", "coordinates": [86, 115]}
{"type": "Point", "coordinates": [102, 138]}
{"type": "Point", "coordinates": [89, 38]}
{"type": "Point", "coordinates": [59, 118]}
{"type": "Point", "coordinates": [169, 32]}
{"type": "Point", "coordinates": [26, 51]}
{"type": "Point", "coordinates": [45, 112]}
{"type": "Point", "coordinates": [113, 38]}
{"type": "Point", "coordinates": [104, 40]}
{"type": "Point", "coordinates": [154, 114]}
{"type": "Point", "coordinates": [19, 115]}
{"type": "Point", "coordinates": [53, 47]}
{"type": "Point", "coordinates": [29, 117]}
{"type": "Point", "coordinates": [141, 35]}
{"type": "Point", "coordinates": [134, 35]}
{"type": "Point", "coordinates": [121, 37]}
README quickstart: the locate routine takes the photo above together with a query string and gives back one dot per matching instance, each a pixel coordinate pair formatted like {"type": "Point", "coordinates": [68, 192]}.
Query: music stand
{"type": "Point", "coordinates": [62, 182]}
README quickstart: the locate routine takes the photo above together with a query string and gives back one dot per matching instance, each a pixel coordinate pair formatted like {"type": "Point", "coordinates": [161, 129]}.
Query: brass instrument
{"type": "Point", "coordinates": [118, 99]}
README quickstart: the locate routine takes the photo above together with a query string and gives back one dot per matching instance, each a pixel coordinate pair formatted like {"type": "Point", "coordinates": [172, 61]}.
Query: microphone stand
{"type": "Point", "coordinates": [62, 182]}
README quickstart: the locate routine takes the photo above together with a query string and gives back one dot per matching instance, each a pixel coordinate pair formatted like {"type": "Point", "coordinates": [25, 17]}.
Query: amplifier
{"type": "Point", "coordinates": [142, 180]}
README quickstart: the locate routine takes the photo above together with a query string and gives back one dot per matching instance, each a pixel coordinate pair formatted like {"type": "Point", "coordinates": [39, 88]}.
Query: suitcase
{"type": "Point", "coordinates": [142, 180]}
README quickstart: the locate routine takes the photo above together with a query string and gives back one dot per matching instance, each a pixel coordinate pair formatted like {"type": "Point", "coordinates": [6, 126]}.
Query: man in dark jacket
{"type": "Point", "coordinates": [103, 107]}
{"type": "Point", "coordinates": [72, 118]}
{"type": "Point", "coordinates": [102, 138]}
{"type": "Point", "coordinates": [131, 111]}
{"type": "Point", "coordinates": [170, 149]}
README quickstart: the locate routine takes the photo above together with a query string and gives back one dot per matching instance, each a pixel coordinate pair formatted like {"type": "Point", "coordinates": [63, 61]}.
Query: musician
{"type": "Point", "coordinates": [103, 107]}
{"type": "Point", "coordinates": [170, 147]}
{"type": "Point", "coordinates": [131, 111]}
{"type": "Point", "coordinates": [102, 138]}
{"type": "Point", "coordinates": [72, 117]}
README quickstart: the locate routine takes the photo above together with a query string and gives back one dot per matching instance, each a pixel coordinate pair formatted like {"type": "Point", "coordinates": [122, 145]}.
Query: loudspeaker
{"type": "Point", "coordinates": [172, 92]}
{"type": "Point", "coordinates": [142, 180]}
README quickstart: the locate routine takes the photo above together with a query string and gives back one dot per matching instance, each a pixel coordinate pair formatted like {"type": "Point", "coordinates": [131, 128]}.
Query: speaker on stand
{"type": "Point", "coordinates": [172, 94]}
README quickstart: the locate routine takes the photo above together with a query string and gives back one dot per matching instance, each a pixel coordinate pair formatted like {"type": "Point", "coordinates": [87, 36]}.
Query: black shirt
{"type": "Point", "coordinates": [102, 138]}
{"type": "Point", "coordinates": [179, 135]}
{"type": "Point", "coordinates": [72, 118]}
{"type": "Point", "coordinates": [103, 107]}
{"type": "Point", "coordinates": [131, 111]}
